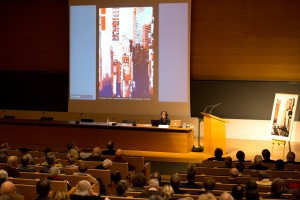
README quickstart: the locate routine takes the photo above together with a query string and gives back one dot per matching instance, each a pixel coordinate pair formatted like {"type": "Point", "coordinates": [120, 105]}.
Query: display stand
{"type": "Point", "coordinates": [279, 142]}
{"type": "Point", "coordinates": [214, 133]}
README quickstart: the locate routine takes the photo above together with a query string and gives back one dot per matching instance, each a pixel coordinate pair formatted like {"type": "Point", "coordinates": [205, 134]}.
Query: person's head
{"type": "Point", "coordinates": [290, 157]}
{"type": "Point", "coordinates": [237, 192]}
{"type": "Point", "coordinates": [110, 145]}
{"type": "Point", "coordinates": [60, 195]}
{"type": "Point", "coordinates": [233, 172]}
{"type": "Point", "coordinates": [209, 183]}
{"type": "Point", "coordinates": [225, 196]}
{"type": "Point", "coordinates": [208, 196]}
{"type": "Point", "coordinates": [72, 159]}
{"type": "Point", "coordinates": [47, 150]}
{"type": "Point", "coordinates": [119, 153]}
{"type": "Point", "coordinates": [138, 180]}
{"type": "Point", "coordinates": [12, 161]}
{"type": "Point", "coordinates": [175, 181]}
{"type": "Point", "coordinates": [266, 154]}
{"type": "Point", "coordinates": [262, 175]}
{"type": "Point", "coordinates": [43, 187]}
{"type": "Point", "coordinates": [8, 187]}
{"type": "Point", "coordinates": [82, 167]}
{"type": "Point", "coordinates": [240, 155]}
{"type": "Point", "coordinates": [156, 175]}
{"type": "Point", "coordinates": [3, 176]}
{"type": "Point", "coordinates": [3, 156]}
{"type": "Point", "coordinates": [25, 160]}
{"type": "Point", "coordinates": [72, 152]}
{"type": "Point", "coordinates": [228, 161]}
{"type": "Point", "coordinates": [167, 192]}
{"type": "Point", "coordinates": [83, 188]}
{"type": "Point", "coordinates": [71, 145]}
{"type": "Point", "coordinates": [164, 114]}
{"type": "Point", "coordinates": [258, 159]}
{"type": "Point", "coordinates": [278, 187]}
{"type": "Point", "coordinates": [54, 171]}
{"type": "Point", "coordinates": [251, 185]}
{"type": "Point", "coordinates": [97, 151]}
{"type": "Point", "coordinates": [121, 187]}
{"type": "Point", "coordinates": [279, 164]}
{"type": "Point", "coordinates": [5, 145]}
{"type": "Point", "coordinates": [50, 158]}
{"type": "Point", "coordinates": [252, 195]}
{"type": "Point", "coordinates": [153, 183]}
{"type": "Point", "coordinates": [240, 166]}
{"type": "Point", "coordinates": [155, 197]}
{"type": "Point", "coordinates": [218, 153]}
{"type": "Point", "coordinates": [191, 174]}
{"type": "Point", "coordinates": [107, 163]}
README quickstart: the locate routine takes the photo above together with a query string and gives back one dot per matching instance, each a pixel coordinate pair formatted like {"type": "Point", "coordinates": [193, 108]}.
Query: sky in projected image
{"type": "Point", "coordinates": [126, 56]}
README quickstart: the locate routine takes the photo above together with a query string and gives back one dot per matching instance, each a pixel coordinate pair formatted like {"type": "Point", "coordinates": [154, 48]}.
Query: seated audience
{"type": "Point", "coordinates": [50, 158]}
{"type": "Point", "coordinates": [233, 174]}
{"type": "Point", "coordinates": [3, 176]}
{"type": "Point", "coordinates": [96, 155]}
{"type": "Point", "coordinates": [110, 149]}
{"type": "Point", "coordinates": [263, 178]}
{"type": "Point", "coordinates": [267, 156]}
{"type": "Point", "coordinates": [60, 195]}
{"type": "Point", "coordinates": [155, 197]}
{"type": "Point", "coordinates": [251, 185]}
{"type": "Point", "coordinates": [107, 163]}
{"type": "Point", "coordinates": [12, 196]}
{"type": "Point", "coordinates": [8, 187]}
{"type": "Point", "coordinates": [237, 192]}
{"type": "Point", "coordinates": [157, 176]}
{"type": "Point", "coordinates": [175, 183]}
{"type": "Point", "coordinates": [3, 155]}
{"type": "Point", "coordinates": [252, 195]}
{"type": "Point", "coordinates": [167, 192]}
{"type": "Point", "coordinates": [240, 155]}
{"type": "Point", "coordinates": [25, 164]}
{"type": "Point", "coordinates": [72, 159]}
{"type": "Point", "coordinates": [84, 191]}
{"type": "Point", "coordinates": [228, 162]}
{"type": "Point", "coordinates": [152, 190]}
{"type": "Point", "coordinates": [290, 158]}
{"type": "Point", "coordinates": [225, 196]}
{"type": "Point", "coordinates": [54, 174]}
{"type": "Point", "coordinates": [43, 188]}
{"type": "Point", "coordinates": [207, 196]}
{"type": "Point", "coordinates": [279, 165]}
{"type": "Point", "coordinates": [278, 187]}
{"type": "Point", "coordinates": [240, 166]}
{"type": "Point", "coordinates": [119, 158]}
{"type": "Point", "coordinates": [121, 188]}
{"type": "Point", "coordinates": [209, 184]}
{"type": "Point", "coordinates": [218, 155]}
{"type": "Point", "coordinates": [138, 181]}
{"type": "Point", "coordinates": [72, 146]}
{"type": "Point", "coordinates": [258, 163]}
{"type": "Point", "coordinates": [82, 168]}
{"type": "Point", "coordinates": [25, 151]}
{"type": "Point", "coordinates": [191, 177]}
{"type": "Point", "coordinates": [11, 166]}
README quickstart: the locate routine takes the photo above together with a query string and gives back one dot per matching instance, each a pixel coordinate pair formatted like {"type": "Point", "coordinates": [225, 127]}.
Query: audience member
{"type": "Point", "coordinates": [121, 188]}
{"type": "Point", "coordinates": [107, 163]}
{"type": "Point", "coordinates": [278, 187]}
{"type": "Point", "coordinates": [60, 195]}
{"type": "Point", "coordinates": [110, 149]}
{"type": "Point", "coordinates": [207, 196]}
{"type": "Point", "coordinates": [84, 191]}
{"type": "Point", "coordinates": [11, 166]}
{"type": "Point", "coordinates": [251, 185]}
{"type": "Point", "coordinates": [138, 181]}
{"type": "Point", "coordinates": [25, 151]}
{"type": "Point", "coordinates": [43, 188]}
{"type": "Point", "coordinates": [119, 158]}
{"type": "Point", "coordinates": [50, 158]}
{"type": "Point", "coordinates": [290, 158]}
{"type": "Point", "coordinates": [263, 178]}
{"type": "Point", "coordinates": [237, 192]}
{"type": "Point", "coordinates": [156, 175]}
{"type": "Point", "coordinates": [54, 174]}
{"type": "Point", "coordinates": [3, 176]}
{"type": "Point", "coordinates": [72, 145]}
{"type": "Point", "coordinates": [4, 152]}
{"type": "Point", "coordinates": [267, 156]}
{"type": "Point", "coordinates": [8, 187]}
{"type": "Point", "coordinates": [175, 183]}
{"type": "Point", "coordinates": [72, 159]}
{"type": "Point", "coordinates": [240, 166]}
{"type": "Point", "coordinates": [191, 177]}
{"type": "Point", "coordinates": [240, 155]}
{"type": "Point", "coordinates": [96, 155]}
{"type": "Point", "coordinates": [155, 197]}
{"type": "Point", "coordinates": [209, 184]}
{"type": "Point", "coordinates": [25, 164]}
{"type": "Point", "coordinates": [252, 195]}
{"type": "Point", "coordinates": [12, 196]}
{"type": "Point", "coordinates": [233, 174]}
{"type": "Point", "coordinates": [279, 165]}
{"type": "Point", "coordinates": [82, 168]}
{"type": "Point", "coordinates": [167, 192]}
{"type": "Point", "coordinates": [228, 162]}
{"type": "Point", "coordinates": [225, 196]}
{"type": "Point", "coordinates": [153, 189]}
{"type": "Point", "coordinates": [218, 155]}
{"type": "Point", "coordinates": [257, 164]}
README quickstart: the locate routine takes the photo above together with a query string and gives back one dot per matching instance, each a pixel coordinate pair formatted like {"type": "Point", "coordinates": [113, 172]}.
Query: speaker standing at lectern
{"type": "Point", "coordinates": [164, 120]}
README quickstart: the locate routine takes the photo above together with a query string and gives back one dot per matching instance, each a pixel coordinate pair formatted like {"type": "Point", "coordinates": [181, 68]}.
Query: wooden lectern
{"type": "Point", "coordinates": [214, 133]}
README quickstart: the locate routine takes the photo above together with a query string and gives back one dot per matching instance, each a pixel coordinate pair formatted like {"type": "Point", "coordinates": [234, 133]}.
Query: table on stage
{"type": "Point", "coordinates": [37, 135]}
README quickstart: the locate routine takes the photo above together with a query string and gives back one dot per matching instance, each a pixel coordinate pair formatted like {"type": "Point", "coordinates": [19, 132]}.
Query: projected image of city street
{"type": "Point", "coordinates": [126, 56]}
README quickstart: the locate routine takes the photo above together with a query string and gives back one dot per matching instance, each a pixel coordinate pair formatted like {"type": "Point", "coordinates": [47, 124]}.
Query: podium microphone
{"type": "Point", "coordinates": [207, 107]}
{"type": "Point", "coordinates": [214, 107]}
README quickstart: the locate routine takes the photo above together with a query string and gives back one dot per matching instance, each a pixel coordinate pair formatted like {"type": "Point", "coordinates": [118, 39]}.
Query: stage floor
{"type": "Point", "coordinates": [250, 147]}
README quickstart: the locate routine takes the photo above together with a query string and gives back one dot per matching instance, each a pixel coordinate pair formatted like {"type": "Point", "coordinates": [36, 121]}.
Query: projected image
{"type": "Point", "coordinates": [126, 56]}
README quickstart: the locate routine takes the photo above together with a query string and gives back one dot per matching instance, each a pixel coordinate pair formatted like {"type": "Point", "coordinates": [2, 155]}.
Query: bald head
{"type": "Point", "coordinates": [12, 161]}
{"type": "Point", "coordinates": [97, 151]}
{"type": "Point", "coordinates": [225, 196]}
{"type": "Point", "coordinates": [8, 187]}
{"type": "Point", "coordinates": [234, 172]}
{"type": "Point", "coordinates": [119, 153]}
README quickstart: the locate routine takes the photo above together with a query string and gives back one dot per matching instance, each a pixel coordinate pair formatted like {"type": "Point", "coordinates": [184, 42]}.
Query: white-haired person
{"type": "Point", "coordinates": [84, 191]}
